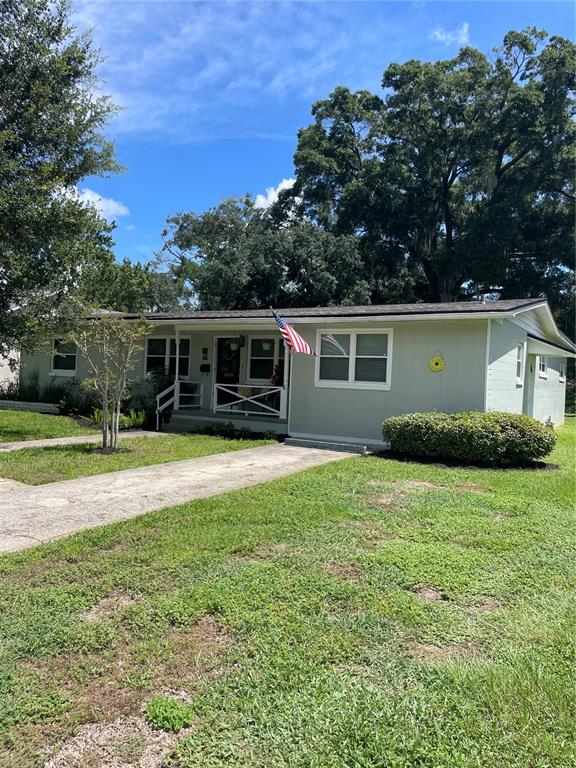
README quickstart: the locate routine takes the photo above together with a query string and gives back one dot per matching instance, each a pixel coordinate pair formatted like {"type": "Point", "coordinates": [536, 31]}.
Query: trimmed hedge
{"type": "Point", "coordinates": [487, 438]}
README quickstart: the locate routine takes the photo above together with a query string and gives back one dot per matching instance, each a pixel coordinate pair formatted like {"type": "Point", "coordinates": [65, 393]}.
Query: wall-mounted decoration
{"type": "Point", "coordinates": [436, 363]}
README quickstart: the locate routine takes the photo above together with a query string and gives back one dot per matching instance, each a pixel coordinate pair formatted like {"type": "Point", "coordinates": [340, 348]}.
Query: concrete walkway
{"type": "Point", "coordinates": [74, 440]}
{"type": "Point", "coordinates": [30, 515]}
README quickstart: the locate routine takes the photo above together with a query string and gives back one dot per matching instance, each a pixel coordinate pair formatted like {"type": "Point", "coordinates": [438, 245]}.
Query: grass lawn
{"type": "Point", "coordinates": [26, 425]}
{"type": "Point", "coordinates": [364, 614]}
{"type": "Point", "coordinates": [37, 466]}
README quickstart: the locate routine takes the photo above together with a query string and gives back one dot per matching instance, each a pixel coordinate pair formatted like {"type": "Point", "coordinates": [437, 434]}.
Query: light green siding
{"type": "Point", "coordinates": [358, 413]}
{"type": "Point", "coordinates": [549, 394]}
{"type": "Point", "coordinates": [503, 392]}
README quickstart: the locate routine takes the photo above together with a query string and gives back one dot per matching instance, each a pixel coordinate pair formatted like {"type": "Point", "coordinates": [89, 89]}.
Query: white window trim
{"type": "Point", "coordinates": [58, 371]}
{"type": "Point", "coordinates": [275, 356]}
{"type": "Point", "coordinates": [542, 374]}
{"type": "Point", "coordinates": [520, 379]}
{"type": "Point", "coordinates": [562, 372]}
{"type": "Point", "coordinates": [167, 354]}
{"type": "Point", "coordinates": [351, 384]}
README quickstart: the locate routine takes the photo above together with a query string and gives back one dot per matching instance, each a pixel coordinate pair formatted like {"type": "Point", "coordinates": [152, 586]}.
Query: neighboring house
{"type": "Point", "coordinates": [9, 368]}
{"type": "Point", "coordinates": [382, 361]}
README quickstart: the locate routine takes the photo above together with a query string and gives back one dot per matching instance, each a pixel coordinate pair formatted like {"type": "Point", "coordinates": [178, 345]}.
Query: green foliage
{"type": "Point", "coordinates": [141, 395]}
{"type": "Point", "coordinates": [169, 714]}
{"type": "Point", "coordinates": [70, 396]}
{"type": "Point", "coordinates": [228, 430]}
{"type": "Point", "coordinates": [51, 122]}
{"type": "Point", "coordinates": [131, 288]}
{"type": "Point", "coordinates": [132, 420]}
{"type": "Point", "coordinates": [265, 261]}
{"type": "Point", "coordinates": [459, 178]}
{"type": "Point", "coordinates": [488, 438]}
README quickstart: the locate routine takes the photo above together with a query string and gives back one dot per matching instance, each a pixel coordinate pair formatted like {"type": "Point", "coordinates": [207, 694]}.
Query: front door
{"type": "Point", "coordinates": [227, 369]}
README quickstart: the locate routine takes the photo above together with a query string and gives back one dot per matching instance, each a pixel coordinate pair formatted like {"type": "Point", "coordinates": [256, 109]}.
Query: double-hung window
{"type": "Point", "coordinates": [161, 356]}
{"type": "Point", "coordinates": [354, 359]}
{"type": "Point", "coordinates": [520, 364]}
{"type": "Point", "coordinates": [266, 359]}
{"type": "Point", "coordinates": [542, 367]}
{"type": "Point", "coordinates": [63, 358]}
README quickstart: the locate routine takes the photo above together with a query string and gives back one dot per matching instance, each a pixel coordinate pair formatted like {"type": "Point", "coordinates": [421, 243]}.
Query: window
{"type": "Point", "coordinates": [63, 358]}
{"type": "Point", "coordinates": [562, 371]}
{"type": "Point", "coordinates": [161, 356]}
{"type": "Point", "coordinates": [542, 367]}
{"type": "Point", "coordinates": [520, 364]}
{"type": "Point", "coordinates": [266, 359]}
{"type": "Point", "coordinates": [354, 359]}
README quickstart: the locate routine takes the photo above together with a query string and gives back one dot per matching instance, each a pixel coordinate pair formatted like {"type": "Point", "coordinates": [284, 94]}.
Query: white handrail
{"type": "Point", "coordinates": [162, 407]}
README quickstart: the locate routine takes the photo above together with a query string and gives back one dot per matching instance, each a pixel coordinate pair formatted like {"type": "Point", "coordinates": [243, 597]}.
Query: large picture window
{"type": "Point", "coordinates": [161, 356]}
{"type": "Point", "coordinates": [266, 359]}
{"type": "Point", "coordinates": [63, 358]}
{"type": "Point", "coordinates": [358, 359]}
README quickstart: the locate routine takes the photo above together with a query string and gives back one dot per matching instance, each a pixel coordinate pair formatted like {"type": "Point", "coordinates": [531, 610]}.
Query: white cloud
{"type": "Point", "coordinates": [460, 35]}
{"type": "Point", "coordinates": [106, 206]}
{"type": "Point", "coordinates": [197, 71]}
{"type": "Point", "coordinates": [271, 196]}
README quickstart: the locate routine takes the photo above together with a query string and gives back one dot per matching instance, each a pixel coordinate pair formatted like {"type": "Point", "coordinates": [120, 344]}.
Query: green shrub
{"type": "Point", "coordinates": [124, 422]}
{"type": "Point", "coordinates": [169, 714]}
{"type": "Point", "coordinates": [487, 438]}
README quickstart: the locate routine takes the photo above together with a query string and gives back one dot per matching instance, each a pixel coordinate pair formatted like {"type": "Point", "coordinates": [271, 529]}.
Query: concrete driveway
{"type": "Point", "coordinates": [30, 515]}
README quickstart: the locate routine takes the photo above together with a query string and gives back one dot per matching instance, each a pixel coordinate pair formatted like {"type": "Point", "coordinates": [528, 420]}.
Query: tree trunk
{"type": "Point", "coordinates": [105, 432]}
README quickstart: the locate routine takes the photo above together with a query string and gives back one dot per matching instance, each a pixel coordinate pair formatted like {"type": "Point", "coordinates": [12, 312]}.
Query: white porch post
{"type": "Point", "coordinates": [177, 371]}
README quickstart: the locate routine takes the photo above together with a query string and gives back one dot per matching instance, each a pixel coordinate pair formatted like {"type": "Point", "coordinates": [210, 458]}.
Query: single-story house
{"type": "Point", "coordinates": [371, 362]}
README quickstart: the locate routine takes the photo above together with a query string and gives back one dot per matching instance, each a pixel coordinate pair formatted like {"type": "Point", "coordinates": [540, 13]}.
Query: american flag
{"type": "Point", "coordinates": [292, 338]}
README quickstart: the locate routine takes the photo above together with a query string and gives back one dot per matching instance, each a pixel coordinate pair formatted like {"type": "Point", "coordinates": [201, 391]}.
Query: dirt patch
{"type": "Point", "coordinates": [429, 652]}
{"type": "Point", "coordinates": [499, 518]}
{"type": "Point", "coordinates": [387, 500]}
{"type": "Point", "coordinates": [342, 570]}
{"type": "Point", "coordinates": [109, 606]}
{"type": "Point", "coordinates": [422, 484]}
{"type": "Point", "coordinates": [271, 550]}
{"type": "Point", "coordinates": [472, 488]}
{"type": "Point", "coordinates": [486, 603]}
{"type": "Point", "coordinates": [125, 742]}
{"type": "Point", "coordinates": [429, 594]}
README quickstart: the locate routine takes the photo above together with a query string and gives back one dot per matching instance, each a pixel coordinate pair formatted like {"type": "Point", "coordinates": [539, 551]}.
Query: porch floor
{"type": "Point", "coordinates": [186, 419]}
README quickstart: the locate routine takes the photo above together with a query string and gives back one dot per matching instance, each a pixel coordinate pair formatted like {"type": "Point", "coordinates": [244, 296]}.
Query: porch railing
{"type": "Point", "coordinates": [180, 394]}
{"type": "Point", "coordinates": [250, 400]}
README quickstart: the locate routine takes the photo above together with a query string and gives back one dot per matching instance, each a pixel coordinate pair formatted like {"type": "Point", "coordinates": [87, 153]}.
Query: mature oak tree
{"type": "Point", "coordinates": [460, 174]}
{"type": "Point", "coordinates": [237, 256]}
{"type": "Point", "coordinates": [51, 123]}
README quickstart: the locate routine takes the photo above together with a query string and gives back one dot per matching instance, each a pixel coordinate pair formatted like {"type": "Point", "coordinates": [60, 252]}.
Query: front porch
{"type": "Point", "coordinates": [240, 379]}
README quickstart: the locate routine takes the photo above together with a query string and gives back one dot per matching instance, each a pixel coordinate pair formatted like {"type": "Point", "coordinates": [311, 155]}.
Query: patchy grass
{"type": "Point", "coordinates": [302, 623]}
{"type": "Point", "coordinates": [37, 466]}
{"type": "Point", "coordinates": [26, 425]}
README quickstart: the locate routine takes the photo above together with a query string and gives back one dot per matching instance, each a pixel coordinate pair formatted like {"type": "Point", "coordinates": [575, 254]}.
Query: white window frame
{"type": "Point", "coordinates": [167, 354]}
{"type": "Point", "coordinates": [351, 383]}
{"type": "Point", "coordinates": [521, 347]}
{"type": "Point", "coordinates": [275, 356]}
{"type": "Point", "coordinates": [562, 371]}
{"type": "Point", "coordinates": [543, 374]}
{"type": "Point", "coordinates": [59, 371]}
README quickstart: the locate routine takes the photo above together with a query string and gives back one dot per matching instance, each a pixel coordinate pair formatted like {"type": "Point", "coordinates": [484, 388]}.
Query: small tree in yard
{"type": "Point", "coordinates": [109, 344]}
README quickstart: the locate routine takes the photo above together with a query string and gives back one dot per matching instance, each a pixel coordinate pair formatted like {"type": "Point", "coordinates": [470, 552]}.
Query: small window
{"type": "Point", "coordinates": [562, 371]}
{"type": "Point", "coordinates": [355, 359]}
{"type": "Point", "coordinates": [520, 364]}
{"type": "Point", "coordinates": [266, 359]}
{"type": "Point", "coordinates": [63, 358]}
{"type": "Point", "coordinates": [542, 367]}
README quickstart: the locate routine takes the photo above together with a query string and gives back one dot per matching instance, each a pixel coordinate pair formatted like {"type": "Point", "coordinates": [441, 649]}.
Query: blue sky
{"type": "Point", "coordinates": [213, 93]}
